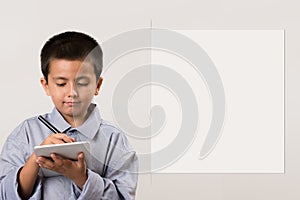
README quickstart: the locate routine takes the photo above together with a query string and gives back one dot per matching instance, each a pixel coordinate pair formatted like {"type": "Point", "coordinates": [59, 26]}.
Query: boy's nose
{"type": "Point", "coordinates": [72, 91]}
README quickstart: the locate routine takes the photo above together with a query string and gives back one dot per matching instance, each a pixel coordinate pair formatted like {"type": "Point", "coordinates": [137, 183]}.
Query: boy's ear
{"type": "Point", "coordinates": [98, 85]}
{"type": "Point", "coordinates": [45, 85]}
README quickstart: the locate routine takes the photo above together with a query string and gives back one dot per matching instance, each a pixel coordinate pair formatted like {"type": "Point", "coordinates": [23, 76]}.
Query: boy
{"type": "Point", "coordinates": [71, 64]}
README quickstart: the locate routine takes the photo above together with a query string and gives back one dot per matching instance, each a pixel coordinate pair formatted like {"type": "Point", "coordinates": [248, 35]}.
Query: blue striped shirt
{"type": "Point", "coordinates": [112, 175]}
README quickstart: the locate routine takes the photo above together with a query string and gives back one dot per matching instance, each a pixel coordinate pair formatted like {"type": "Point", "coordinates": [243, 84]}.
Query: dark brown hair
{"type": "Point", "coordinates": [72, 46]}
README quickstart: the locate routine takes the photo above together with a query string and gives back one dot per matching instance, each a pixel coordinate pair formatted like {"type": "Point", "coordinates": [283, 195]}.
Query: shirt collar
{"type": "Point", "coordinates": [89, 128]}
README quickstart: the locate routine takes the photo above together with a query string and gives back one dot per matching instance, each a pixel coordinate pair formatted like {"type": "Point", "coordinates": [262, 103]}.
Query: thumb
{"type": "Point", "coordinates": [81, 161]}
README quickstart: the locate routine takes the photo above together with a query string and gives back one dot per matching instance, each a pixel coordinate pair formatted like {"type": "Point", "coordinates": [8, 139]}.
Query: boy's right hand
{"type": "Point", "coordinates": [58, 138]}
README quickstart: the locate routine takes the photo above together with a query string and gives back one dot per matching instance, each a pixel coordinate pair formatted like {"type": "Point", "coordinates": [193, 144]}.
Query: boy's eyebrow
{"type": "Point", "coordinates": [64, 78]}
{"type": "Point", "coordinates": [60, 77]}
{"type": "Point", "coordinates": [82, 77]}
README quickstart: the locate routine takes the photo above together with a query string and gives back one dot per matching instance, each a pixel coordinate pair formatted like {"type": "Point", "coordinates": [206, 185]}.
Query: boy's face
{"type": "Point", "coordinates": [71, 85]}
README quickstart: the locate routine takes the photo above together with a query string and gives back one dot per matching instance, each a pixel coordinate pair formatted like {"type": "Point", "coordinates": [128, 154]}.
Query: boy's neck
{"type": "Point", "coordinates": [75, 122]}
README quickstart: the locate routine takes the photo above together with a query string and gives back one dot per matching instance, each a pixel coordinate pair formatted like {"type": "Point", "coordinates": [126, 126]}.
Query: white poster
{"type": "Point", "coordinates": [198, 101]}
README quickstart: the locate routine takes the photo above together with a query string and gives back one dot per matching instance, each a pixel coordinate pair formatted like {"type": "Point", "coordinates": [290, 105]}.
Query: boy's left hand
{"type": "Point", "coordinates": [75, 170]}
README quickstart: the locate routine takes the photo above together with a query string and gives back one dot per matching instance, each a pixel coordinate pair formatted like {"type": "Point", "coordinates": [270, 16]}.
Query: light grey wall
{"type": "Point", "coordinates": [26, 25]}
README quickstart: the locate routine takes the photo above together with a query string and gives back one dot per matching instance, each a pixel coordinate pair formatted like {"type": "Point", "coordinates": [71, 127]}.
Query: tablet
{"type": "Point", "coordinates": [66, 150]}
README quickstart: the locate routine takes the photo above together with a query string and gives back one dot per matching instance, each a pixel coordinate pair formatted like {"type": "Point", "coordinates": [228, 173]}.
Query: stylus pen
{"type": "Point", "coordinates": [50, 126]}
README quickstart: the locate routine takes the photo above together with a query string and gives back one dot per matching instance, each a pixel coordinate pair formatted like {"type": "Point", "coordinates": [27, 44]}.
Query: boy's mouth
{"type": "Point", "coordinates": [72, 103]}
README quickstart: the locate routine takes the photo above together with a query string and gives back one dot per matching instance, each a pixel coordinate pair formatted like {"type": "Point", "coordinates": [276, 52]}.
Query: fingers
{"type": "Point", "coordinates": [56, 160]}
{"type": "Point", "coordinates": [65, 138]}
{"type": "Point", "coordinates": [45, 162]}
{"type": "Point", "coordinates": [57, 163]}
{"type": "Point", "coordinates": [62, 137]}
{"type": "Point", "coordinates": [66, 167]}
{"type": "Point", "coordinates": [58, 138]}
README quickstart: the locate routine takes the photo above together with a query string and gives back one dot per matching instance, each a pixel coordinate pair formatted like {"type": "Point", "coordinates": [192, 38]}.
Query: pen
{"type": "Point", "coordinates": [46, 123]}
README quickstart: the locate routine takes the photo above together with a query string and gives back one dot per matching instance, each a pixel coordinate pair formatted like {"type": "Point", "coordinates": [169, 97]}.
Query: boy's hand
{"type": "Point", "coordinates": [75, 170]}
{"type": "Point", "coordinates": [58, 138]}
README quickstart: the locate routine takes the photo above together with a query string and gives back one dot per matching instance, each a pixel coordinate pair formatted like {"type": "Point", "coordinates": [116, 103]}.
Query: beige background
{"type": "Point", "coordinates": [26, 25]}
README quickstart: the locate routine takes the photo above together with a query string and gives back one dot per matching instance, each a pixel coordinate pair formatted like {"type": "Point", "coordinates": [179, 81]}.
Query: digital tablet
{"type": "Point", "coordinates": [66, 150]}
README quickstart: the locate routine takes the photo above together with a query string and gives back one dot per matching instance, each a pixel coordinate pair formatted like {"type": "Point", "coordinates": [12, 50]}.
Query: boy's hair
{"type": "Point", "coordinates": [72, 46]}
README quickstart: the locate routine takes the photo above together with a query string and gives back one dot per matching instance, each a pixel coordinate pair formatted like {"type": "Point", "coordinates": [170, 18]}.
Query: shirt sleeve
{"type": "Point", "coordinates": [119, 182]}
{"type": "Point", "coordinates": [12, 159]}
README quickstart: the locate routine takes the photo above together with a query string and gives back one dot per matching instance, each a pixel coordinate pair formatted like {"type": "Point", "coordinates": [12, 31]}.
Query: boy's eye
{"type": "Point", "coordinates": [82, 83]}
{"type": "Point", "coordinates": [60, 84]}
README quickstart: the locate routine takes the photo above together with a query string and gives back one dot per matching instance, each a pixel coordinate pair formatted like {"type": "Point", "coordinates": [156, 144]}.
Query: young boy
{"type": "Point", "coordinates": [71, 64]}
